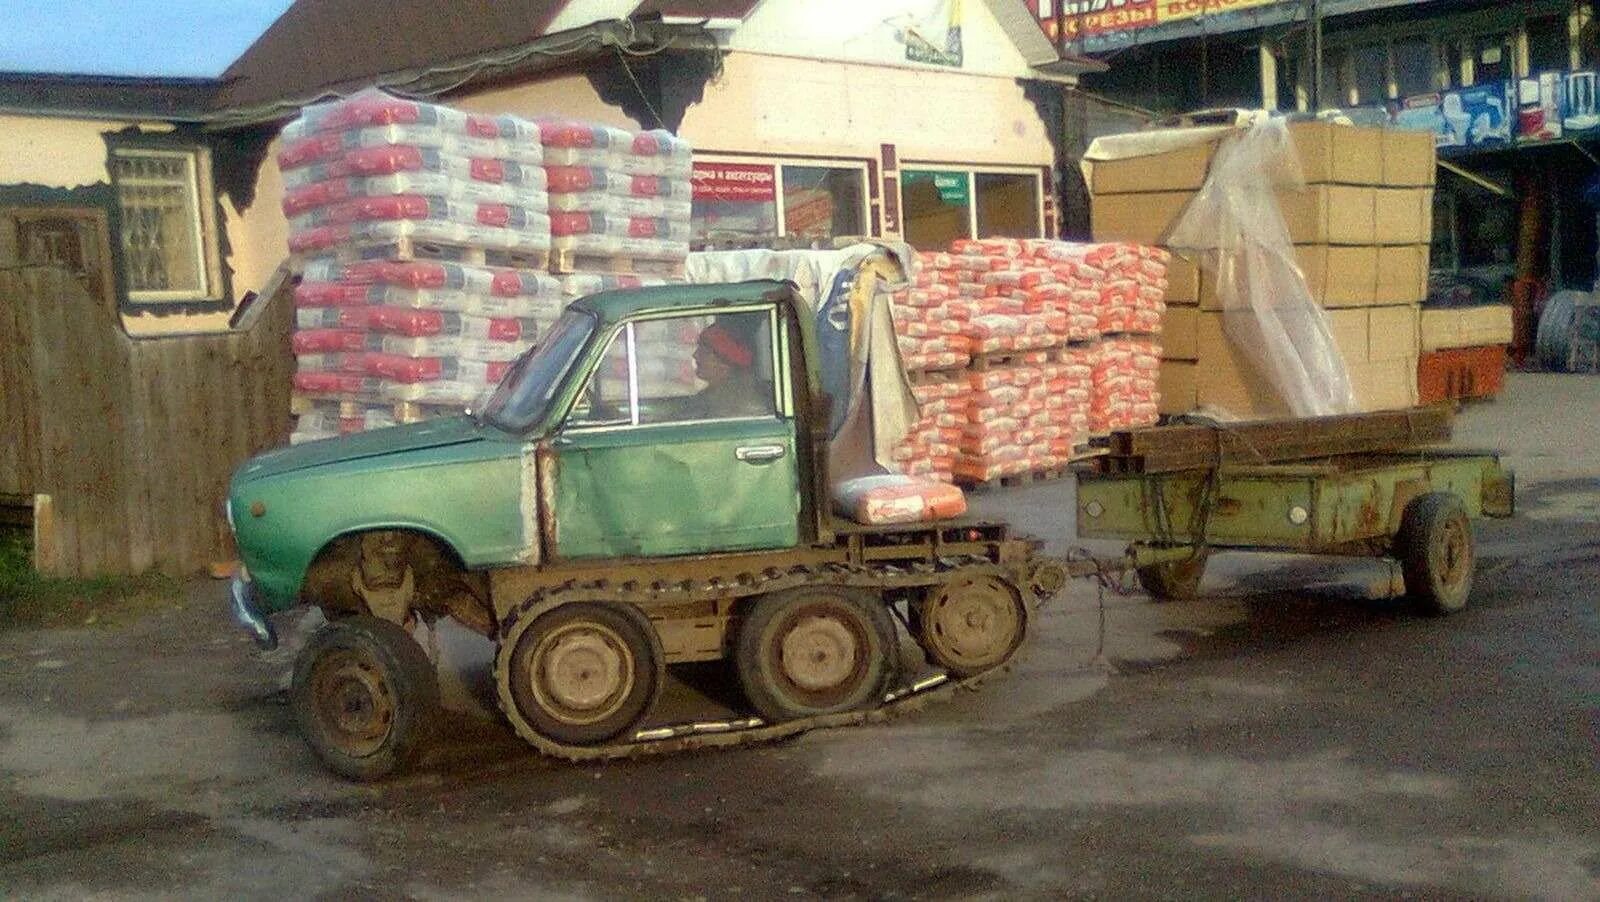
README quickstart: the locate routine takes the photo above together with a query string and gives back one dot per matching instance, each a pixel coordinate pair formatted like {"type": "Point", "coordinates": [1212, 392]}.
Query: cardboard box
{"type": "Point", "coordinates": [1402, 215]}
{"type": "Point", "coordinates": [1184, 169]}
{"type": "Point", "coordinates": [1341, 154]}
{"type": "Point", "coordinates": [1465, 327]}
{"type": "Point", "coordinates": [1409, 158]}
{"type": "Point", "coordinates": [1392, 333]}
{"type": "Point", "coordinates": [1385, 384]}
{"type": "Point", "coordinates": [1180, 333]}
{"type": "Point", "coordinates": [1348, 328]}
{"type": "Point", "coordinates": [1143, 218]}
{"type": "Point", "coordinates": [1336, 275]}
{"type": "Point", "coordinates": [1402, 276]}
{"type": "Point", "coordinates": [1329, 214]}
{"type": "Point", "coordinates": [1183, 281]}
{"type": "Point", "coordinates": [1176, 385]}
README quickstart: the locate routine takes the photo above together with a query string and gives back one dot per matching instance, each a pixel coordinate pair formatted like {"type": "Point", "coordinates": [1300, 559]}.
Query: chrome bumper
{"type": "Point", "coordinates": [243, 603]}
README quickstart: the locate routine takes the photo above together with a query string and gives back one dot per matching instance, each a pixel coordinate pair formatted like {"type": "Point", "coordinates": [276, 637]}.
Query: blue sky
{"type": "Point", "coordinates": [130, 37]}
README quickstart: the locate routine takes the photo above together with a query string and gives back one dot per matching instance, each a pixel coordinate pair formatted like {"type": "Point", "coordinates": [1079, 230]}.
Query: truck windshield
{"type": "Point", "coordinates": [521, 398]}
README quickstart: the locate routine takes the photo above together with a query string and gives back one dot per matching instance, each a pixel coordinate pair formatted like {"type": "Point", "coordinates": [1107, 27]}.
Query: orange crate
{"type": "Point", "coordinates": [1461, 374]}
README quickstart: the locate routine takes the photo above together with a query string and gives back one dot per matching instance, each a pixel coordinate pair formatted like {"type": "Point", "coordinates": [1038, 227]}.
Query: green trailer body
{"type": "Point", "coordinates": [1348, 504]}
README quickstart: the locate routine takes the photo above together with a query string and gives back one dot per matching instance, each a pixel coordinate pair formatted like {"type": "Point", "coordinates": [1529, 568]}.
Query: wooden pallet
{"type": "Point", "coordinates": [1170, 449]}
{"type": "Point", "coordinates": [402, 411]}
{"type": "Point", "coordinates": [957, 373]}
{"type": "Point", "coordinates": [563, 261]}
{"type": "Point", "coordinates": [997, 360]}
{"type": "Point", "coordinates": [413, 249]}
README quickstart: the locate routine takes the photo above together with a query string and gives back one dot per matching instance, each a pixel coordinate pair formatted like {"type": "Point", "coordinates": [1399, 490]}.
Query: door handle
{"type": "Point", "coordinates": [758, 454]}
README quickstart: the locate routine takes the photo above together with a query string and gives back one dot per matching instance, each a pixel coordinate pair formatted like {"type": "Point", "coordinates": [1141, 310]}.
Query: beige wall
{"type": "Point", "coordinates": [58, 153]}
{"type": "Point", "coordinates": [258, 236]}
{"type": "Point", "coordinates": [564, 95]}
{"type": "Point", "coordinates": [777, 104]}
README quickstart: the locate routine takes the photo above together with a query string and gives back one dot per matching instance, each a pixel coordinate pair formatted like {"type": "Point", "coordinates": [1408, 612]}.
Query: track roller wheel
{"type": "Point", "coordinates": [1435, 549]}
{"type": "Point", "coordinates": [365, 696]}
{"type": "Point", "coordinates": [971, 624]}
{"type": "Point", "coordinates": [1175, 580]}
{"type": "Point", "coordinates": [815, 650]}
{"type": "Point", "coordinates": [580, 673]}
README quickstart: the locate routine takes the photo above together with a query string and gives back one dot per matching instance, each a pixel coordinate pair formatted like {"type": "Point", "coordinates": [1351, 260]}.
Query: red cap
{"type": "Point", "coordinates": [725, 345]}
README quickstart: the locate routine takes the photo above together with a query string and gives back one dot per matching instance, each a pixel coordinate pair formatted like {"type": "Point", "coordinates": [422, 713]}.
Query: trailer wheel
{"type": "Point", "coordinates": [1175, 580]}
{"type": "Point", "coordinates": [1435, 549]}
{"type": "Point", "coordinates": [971, 624]}
{"type": "Point", "coordinates": [365, 696]}
{"type": "Point", "coordinates": [814, 650]}
{"type": "Point", "coordinates": [581, 673]}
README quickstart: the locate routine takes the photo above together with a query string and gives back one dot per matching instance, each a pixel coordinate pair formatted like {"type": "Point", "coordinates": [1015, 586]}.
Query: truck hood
{"type": "Point", "coordinates": [376, 443]}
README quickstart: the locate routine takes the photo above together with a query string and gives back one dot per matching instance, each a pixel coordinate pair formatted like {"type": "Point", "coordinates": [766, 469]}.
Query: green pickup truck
{"type": "Point", "coordinates": [603, 516]}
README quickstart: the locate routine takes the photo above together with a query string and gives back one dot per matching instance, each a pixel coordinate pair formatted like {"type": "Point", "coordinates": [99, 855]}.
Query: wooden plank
{"type": "Point", "coordinates": [58, 414]}
{"type": "Point", "coordinates": [1170, 448]}
{"type": "Point", "coordinates": [138, 512]}
{"type": "Point", "coordinates": [47, 551]}
{"type": "Point", "coordinates": [102, 527]}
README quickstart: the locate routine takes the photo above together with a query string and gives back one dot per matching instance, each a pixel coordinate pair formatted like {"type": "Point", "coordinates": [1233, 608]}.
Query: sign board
{"type": "Point", "coordinates": [952, 186]}
{"type": "Point", "coordinates": [746, 182]}
{"type": "Point", "coordinates": [1087, 18]}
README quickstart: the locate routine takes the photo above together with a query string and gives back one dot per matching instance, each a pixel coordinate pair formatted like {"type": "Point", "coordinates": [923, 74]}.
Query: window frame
{"type": "Point", "coordinates": [972, 170]}
{"type": "Point", "coordinates": [783, 392]}
{"type": "Point", "coordinates": [777, 162]}
{"type": "Point", "coordinates": [202, 219]}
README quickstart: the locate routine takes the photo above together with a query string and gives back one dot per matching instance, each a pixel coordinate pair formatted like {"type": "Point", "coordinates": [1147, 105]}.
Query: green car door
{"type": "Point", "coordinates": [681, 442]}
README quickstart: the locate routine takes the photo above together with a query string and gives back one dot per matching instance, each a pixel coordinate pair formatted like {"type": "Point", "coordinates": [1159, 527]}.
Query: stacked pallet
{"type": "Point", "coordinates": [1019, 349]}
{"type": "Point", "coordinates": [435, 246]}
{"type": "Point", "coordinates": [1361, 231]}
{"type": "Point", "coordinates": [422, 234]}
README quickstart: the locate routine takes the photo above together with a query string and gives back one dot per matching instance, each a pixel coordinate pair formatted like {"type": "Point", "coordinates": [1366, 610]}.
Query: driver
{"type": "Point", "coordinates": [725, 361]}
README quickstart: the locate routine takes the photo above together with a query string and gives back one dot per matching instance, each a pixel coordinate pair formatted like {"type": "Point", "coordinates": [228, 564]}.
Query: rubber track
{"type": "Point", "coordinates": [741, 731]}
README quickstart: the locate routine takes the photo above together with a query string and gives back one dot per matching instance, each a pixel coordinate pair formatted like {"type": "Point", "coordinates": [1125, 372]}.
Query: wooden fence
{"type": "Point", "coordinates": [132, 440]}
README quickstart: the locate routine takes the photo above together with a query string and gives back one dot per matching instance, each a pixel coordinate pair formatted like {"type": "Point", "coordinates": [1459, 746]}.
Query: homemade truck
{"type": "Point", "coordinates": [597, 524]}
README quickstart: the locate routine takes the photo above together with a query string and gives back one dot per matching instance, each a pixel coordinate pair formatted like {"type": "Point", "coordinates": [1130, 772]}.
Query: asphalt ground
{"type": "Point", "coordinates": [1296, 732]}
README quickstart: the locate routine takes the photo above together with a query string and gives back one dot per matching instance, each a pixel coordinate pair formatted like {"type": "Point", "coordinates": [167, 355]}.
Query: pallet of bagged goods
{"type": "Point", "coordinates": [1359, 228]}
{"type": "Point", "coordinates": [1020, 350]}
{"type": "Point", "coordinates": [425, 238]}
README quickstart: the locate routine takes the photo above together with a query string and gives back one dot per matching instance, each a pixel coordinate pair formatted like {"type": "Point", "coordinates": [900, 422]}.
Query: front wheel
{"type": "Point", "coordinates": [1435, 549]}
{"type": "Point", "coordinates": [815, 650]}
{"type": "Point", "coordinates": [365, 696]}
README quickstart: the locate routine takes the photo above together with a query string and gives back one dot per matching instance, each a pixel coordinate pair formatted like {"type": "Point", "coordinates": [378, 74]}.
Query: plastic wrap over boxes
{"type": "Point", "coordinates": [435, 246]}
{"type": "Point", "coordinates": [1361, 230]}
{"type": "Point", "coordinates": [1020, 350]}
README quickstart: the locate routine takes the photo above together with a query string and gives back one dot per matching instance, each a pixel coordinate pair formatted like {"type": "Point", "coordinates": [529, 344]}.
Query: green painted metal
{"type": "Point", "coordinates": [675, 489]}
{"type": "Point", "coordinates": [671, 489]}
{"type": "Point", "coordinates": [466, 493]}
{"type": "Point", "coordinates": [1316, 507]}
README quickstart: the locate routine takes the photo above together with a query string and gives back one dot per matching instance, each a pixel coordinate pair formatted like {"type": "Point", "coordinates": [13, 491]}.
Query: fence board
{"type": "Point", "coordinates": [134, 439]}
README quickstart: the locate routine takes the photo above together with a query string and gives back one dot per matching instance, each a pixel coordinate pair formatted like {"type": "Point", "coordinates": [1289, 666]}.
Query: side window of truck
{"type": "Point", "coordinates": [683, 369]}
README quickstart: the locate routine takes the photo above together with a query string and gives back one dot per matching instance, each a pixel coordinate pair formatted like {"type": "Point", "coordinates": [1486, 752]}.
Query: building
{"type": "Point", "coordinates": [810, 119]}
{"type": "Point", "coordinates": [1508, 89]}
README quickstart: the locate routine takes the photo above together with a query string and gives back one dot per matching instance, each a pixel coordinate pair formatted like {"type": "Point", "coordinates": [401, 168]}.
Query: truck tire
{"type": "Point", "coordinates": [1434, 545]}
{"type": "Point", "coordinates": [582, 673]}
{"type": "Point", "coordinates": [971, 624]}
{"type": "Point", "coordinates": [815, 650]}
{"type": "Point", "coordinates": [1175, 580]}
{"type": "Point", "coordinates": [365, 696]}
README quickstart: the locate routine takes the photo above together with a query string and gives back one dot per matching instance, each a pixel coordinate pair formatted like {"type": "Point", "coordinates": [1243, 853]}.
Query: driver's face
{"type": "Point", "coordinates": [708, 366]}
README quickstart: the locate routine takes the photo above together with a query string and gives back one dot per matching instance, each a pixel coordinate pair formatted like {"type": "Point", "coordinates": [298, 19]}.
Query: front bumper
{"type": "Point", "coordinates": [242, 598]}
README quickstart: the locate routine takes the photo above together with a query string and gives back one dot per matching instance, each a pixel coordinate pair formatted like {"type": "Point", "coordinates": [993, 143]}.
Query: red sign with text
{"type": "Point", "coordinates": [749, 182]}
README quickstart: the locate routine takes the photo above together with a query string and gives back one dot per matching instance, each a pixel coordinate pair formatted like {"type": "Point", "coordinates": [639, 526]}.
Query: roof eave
{"type": "Point", "coordinates": [550, 51]}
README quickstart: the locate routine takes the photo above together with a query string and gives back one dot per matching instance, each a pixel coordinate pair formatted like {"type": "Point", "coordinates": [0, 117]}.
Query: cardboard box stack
{"type": "Point", "coordinates": [426, 239]}
{"type": "Point", "coordinates": [1020, 349]}
{"type": "Point", "coordinates": [1463, 352]}
{"type": "Point", "coordinates": [1361, 231]}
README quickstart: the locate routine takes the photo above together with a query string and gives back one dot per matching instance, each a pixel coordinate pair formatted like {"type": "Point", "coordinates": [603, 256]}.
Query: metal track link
{"type": "Point", "coordinates": [692, 736]}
